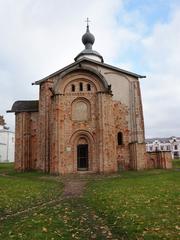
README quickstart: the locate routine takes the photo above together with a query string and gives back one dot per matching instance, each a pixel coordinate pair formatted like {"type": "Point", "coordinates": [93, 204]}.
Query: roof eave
{"type": "Point", "coordinates": [38, 82]}
{"type": "Point", "coordinates": [24, 110]}
{"type": "Point", "coordinates": [55, 73]}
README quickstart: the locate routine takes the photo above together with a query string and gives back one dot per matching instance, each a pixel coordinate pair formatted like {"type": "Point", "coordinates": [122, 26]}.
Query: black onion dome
{"type": "Point", "coordinates": [88, 38]}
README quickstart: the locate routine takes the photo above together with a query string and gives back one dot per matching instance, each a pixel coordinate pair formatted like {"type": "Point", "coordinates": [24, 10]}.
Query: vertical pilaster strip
{"type": "Point", "coordinates": [100, 135]}
{"type": "Point", "coordinates": [58, 133]}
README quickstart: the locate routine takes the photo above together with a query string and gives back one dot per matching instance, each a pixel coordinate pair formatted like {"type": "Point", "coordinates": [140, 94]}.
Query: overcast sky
{"type": "Point", "coordinates": [39, 37]}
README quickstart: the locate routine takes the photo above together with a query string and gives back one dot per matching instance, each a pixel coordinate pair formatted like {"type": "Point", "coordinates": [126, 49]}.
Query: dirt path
{"type": "Point", "coordinates": [74, 188]}
{"type": "Point", "coordinates": [88, 223]}
{"type": "Point", "coordinates": [74, 185]}
{"type": "Point", "coordinates": [94, 224]}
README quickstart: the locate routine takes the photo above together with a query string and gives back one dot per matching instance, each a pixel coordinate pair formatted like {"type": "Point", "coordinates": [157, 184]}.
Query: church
{"type": "Point", "coordinates": [88, 118]}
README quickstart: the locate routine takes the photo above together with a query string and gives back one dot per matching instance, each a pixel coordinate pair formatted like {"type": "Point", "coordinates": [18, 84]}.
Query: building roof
{"type": "Point", "coordinates": [84, 59]}
{"type": "Point", "coordinates": [151, 140]}
{"type": "Point", "coordinates": [25, 106]}
{"type": "Point", "coordinates": [6, 130]}
{"type": "Point", "coordinates": [88, 55]}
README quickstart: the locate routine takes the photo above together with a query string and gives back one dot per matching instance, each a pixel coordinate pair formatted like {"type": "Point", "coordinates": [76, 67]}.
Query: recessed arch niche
{"type": "Point", "coordinates": [86, 75]}
{"type": "Point", "coordinates": [81, 110]}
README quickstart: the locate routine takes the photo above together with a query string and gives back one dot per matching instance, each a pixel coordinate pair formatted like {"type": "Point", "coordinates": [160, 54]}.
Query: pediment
{"type": "Point", "coordinates": [79, 65]}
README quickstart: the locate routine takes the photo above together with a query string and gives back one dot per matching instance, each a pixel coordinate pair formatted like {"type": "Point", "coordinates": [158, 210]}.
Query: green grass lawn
{"type": "Point", "coordinates": [129, 205]}
{"type": "Point", "coordinates": [142, 205]}
{"type": "Point", "coordinates": [6, 168]}
{"type": "Point", "coordinates": [176, 163]}
{"type": "Point", "coordinates": [19, 191]}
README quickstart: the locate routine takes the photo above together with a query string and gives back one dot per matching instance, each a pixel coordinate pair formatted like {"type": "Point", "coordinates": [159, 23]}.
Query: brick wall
{"type": "Point", "coordinates": [26, 141]}
{"type": "Point", "coordinates": [2, 121]}
{"type": "Point", "coordinates": [47, 140]}
{"type": "Point", "coordinates": [159, 159]}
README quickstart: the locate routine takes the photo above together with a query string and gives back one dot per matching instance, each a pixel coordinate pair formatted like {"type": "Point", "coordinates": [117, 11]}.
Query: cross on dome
{"type": "Point", "coordinates": [87, 20]}
{"type": "Point", "coordinates": [88, 40]}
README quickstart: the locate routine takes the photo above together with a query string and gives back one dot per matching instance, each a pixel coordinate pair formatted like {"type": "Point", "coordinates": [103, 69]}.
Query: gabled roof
{"type": "Point", "coordinates": [25, 106]}
{"type": "Point", "coordinates": [91, 61]}
{"type": "Point", "coordinates": [161, 140]}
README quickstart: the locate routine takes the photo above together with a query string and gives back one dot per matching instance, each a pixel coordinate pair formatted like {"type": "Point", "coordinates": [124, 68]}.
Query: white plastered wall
{"type": "Point", "coordinates": [7, 139]}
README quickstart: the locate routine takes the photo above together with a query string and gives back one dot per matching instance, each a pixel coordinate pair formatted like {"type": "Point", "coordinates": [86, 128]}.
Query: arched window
{"type": "Point", "coordinates": [120, 138]}
{"type": "Point", "coordinates": [73, 88]}
{"type": "Point", "coordinates": [88, 87]}
{"type": "Point", "coordinates": [81, 86]}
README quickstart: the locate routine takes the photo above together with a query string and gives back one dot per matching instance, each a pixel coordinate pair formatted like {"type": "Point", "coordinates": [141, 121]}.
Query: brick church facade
{"type": "Point", "coordinates": [88, 118]}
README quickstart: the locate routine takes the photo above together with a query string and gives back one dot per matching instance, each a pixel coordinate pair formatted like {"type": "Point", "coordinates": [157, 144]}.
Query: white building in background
{"type": "Point", "coordinates": [7, 141]}
{"type": "Point", "coordinates": [164, 144]}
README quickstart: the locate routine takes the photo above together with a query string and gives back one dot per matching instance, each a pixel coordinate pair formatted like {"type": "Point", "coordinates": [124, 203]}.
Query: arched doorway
{"type": "Point", "coordinates": [82, 155]}
{"type": "Point", "coordinates": [84, 150]}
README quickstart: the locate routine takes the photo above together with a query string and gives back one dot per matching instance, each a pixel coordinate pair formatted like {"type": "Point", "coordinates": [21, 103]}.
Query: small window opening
{"type": "Point", "coordinates": [88, 87]}
{"type": "Point", "coordinates": [73, 88]}
{"type": "Point", "coordinates": [120, 138]}
{"type": "Point", "coordinates": [81, 86]}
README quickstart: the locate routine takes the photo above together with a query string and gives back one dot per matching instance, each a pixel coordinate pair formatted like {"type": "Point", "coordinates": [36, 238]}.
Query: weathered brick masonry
{"type": "Point", "coordinates": [88, 118]}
